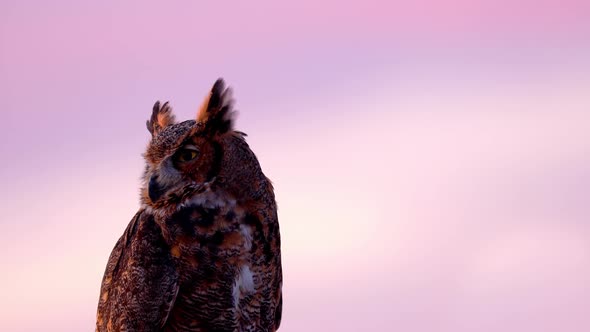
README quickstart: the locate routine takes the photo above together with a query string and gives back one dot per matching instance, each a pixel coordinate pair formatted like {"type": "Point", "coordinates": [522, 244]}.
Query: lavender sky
{"type": "Point", "coordinates": [431, 159]}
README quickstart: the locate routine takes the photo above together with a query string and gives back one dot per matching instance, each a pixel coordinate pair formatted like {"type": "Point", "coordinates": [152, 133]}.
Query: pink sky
{"type": "Point", "coordinates": [431, 161]}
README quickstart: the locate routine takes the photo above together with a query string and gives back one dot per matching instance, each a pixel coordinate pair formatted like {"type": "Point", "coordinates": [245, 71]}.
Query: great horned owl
{"type": "Point", "coordinates": [203, 251]}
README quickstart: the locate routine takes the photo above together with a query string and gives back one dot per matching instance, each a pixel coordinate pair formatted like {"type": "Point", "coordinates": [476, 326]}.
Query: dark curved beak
{"type": "Point", "coordinates": [155, 190]}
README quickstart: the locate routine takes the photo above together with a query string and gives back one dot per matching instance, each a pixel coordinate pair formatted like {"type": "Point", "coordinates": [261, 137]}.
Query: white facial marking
{"type": "Point", "coordinates": [168, 175]}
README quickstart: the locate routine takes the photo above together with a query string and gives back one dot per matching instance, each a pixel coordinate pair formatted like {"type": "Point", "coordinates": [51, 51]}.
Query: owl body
{"type": "Point", "coordinates": [203, 252]}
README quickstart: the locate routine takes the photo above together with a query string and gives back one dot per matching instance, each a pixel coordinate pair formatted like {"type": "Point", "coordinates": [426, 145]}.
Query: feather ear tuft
{"type": "Point", "coordinates": [217, 113]}
{"type": "Point", "coordinates": [161, 117]}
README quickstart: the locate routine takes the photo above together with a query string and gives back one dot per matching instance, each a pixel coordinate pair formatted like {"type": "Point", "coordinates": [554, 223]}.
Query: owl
{"type": "Point", "coordinates": [203, 251]}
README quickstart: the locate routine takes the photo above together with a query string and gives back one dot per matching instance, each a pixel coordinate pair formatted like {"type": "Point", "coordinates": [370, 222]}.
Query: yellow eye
{"type": "Point", "coordinates": [186, 155]}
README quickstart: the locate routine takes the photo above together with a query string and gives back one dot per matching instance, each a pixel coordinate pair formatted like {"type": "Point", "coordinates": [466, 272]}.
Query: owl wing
{"type": "Point", "coordinates": [275, 240]}
{"type": "Point", "coordinates": [268, 261]}
{"type": "Point", "coordinates": [140, 283]}
{"type": "Point", "coordinates": [272, 254]}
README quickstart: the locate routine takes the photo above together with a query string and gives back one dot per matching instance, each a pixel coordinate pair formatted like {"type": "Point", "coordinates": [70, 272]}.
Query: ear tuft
{"type": "Point", "coordinates": [217, 112]}
{"type": "Point", "coordinates": [161, 117]}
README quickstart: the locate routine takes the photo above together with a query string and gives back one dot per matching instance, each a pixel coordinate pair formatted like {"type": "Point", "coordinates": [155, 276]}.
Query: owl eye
{"type": "Point", "coordinates": [186, 154]}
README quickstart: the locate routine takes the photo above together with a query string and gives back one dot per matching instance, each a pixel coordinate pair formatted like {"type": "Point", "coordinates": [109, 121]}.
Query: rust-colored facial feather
{"type": "Point", "coordinates": [191, 151]}
{"type": "Point", "coordinates": [205, 165]}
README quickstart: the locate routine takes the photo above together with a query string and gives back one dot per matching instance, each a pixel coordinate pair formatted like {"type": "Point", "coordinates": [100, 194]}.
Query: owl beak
{"type": "Point", "coordinates": [155, 190]}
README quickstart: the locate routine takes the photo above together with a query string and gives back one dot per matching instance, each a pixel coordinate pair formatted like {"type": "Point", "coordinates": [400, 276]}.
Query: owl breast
{"type": "Point", "coordinates": [215, 244]}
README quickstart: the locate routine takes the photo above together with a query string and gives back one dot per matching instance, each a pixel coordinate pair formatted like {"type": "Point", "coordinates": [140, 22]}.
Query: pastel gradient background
{"type": "Point", "coordinates": [431, 159]}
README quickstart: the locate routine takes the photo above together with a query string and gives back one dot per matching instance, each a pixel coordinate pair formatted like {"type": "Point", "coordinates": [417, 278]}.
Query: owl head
{"type": "Point", "coordinates": [206, 152]}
